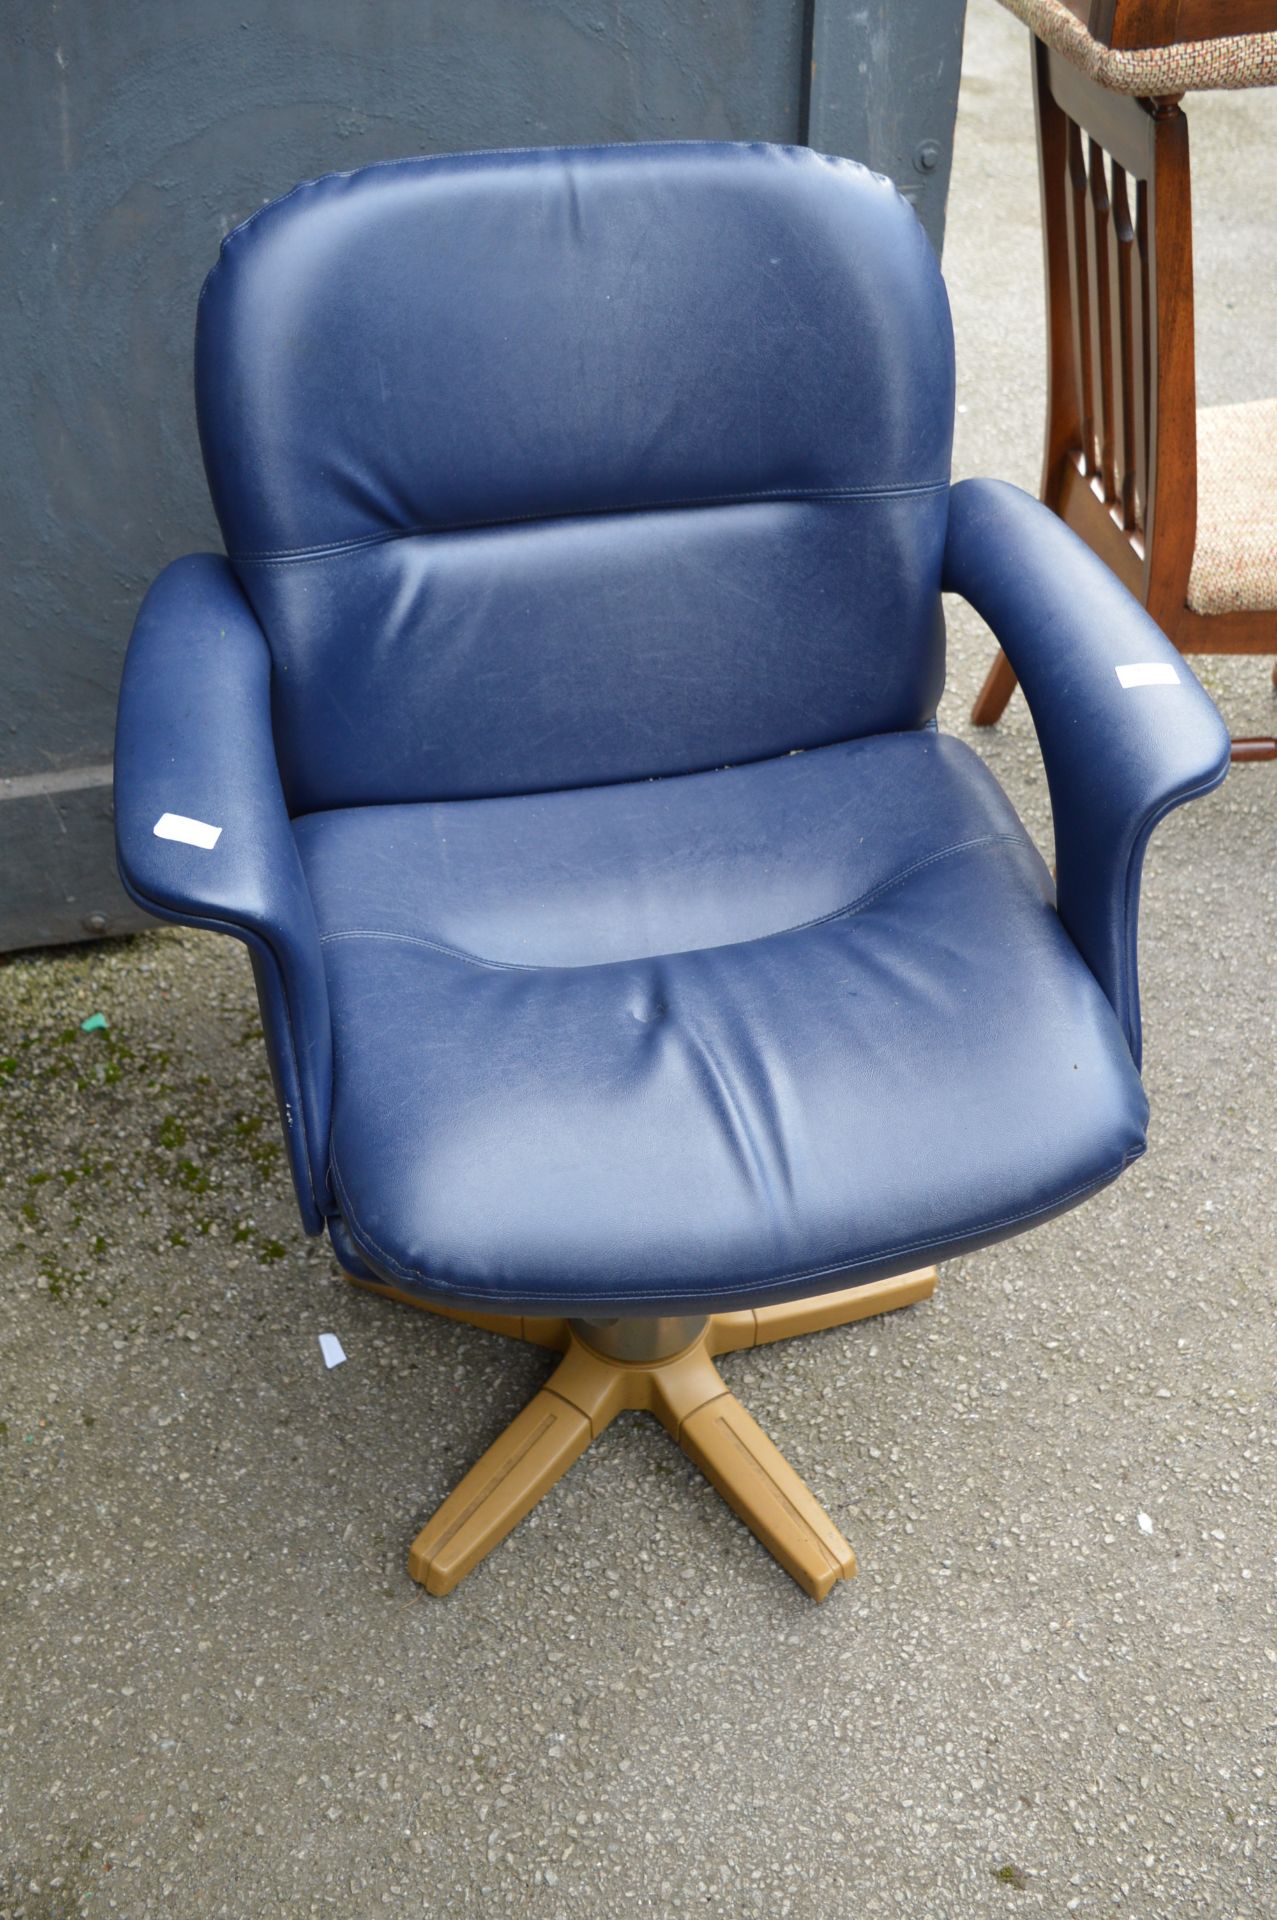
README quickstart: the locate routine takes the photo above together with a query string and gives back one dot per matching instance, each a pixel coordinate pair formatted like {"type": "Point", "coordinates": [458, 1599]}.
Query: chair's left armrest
{"type": "Point", "coordinates": [203, 833]}
{"type": "Point", "coordinates": [1126, 731]}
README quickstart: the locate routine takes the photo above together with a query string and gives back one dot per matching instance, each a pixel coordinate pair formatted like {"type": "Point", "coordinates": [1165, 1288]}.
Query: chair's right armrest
{"type": "Point", "coordinates": [1125, 730]}
{"type": "Point", "coordinates": [203, 834]}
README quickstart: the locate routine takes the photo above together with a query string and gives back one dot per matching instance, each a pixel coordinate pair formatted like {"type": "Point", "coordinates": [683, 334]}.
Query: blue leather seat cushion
{"type": "Point", "coordinates": [716, 1038]}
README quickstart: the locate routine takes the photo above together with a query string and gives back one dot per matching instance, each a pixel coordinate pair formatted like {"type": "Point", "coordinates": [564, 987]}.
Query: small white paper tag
{"type": "Point", "coordinates": [1148, 673]}
{"type": "Point", "coordinates": [331, 1348]}
{"type": "Point", "coordinates": [194, 833]}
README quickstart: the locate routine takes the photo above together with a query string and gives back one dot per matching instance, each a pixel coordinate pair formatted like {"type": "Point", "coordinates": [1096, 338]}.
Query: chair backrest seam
{"type": "Point", "coordinates": [287, 556]}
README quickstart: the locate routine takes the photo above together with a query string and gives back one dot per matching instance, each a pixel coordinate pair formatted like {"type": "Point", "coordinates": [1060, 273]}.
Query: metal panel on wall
{"type": "Point", "coordinates": [884, 88]}
{"type": "Point", "coordinates": [134, 136]}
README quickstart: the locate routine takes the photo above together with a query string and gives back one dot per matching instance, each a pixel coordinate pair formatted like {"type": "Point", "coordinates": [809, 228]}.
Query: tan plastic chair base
{"type": "Point", "coordinates": [686, 1392]}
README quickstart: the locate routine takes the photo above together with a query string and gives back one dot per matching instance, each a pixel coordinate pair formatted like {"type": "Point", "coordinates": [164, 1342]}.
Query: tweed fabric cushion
{"type": "Point", "coordinates": [1189, 66]}
{"type": "Point", "coordinates": [1235, 561]}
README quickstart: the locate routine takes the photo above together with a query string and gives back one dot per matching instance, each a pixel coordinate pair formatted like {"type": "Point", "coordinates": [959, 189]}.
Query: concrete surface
{"type": "Point", "coordinates": [220, 1694]}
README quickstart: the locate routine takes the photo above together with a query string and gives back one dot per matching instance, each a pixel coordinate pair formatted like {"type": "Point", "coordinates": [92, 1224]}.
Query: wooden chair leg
{"type": "Point", "coordinates": [999, 685]}
{"type": "Point", "coordinates": [762, 1489]}
{"type": "Point", "coordinates": [519, 1467]}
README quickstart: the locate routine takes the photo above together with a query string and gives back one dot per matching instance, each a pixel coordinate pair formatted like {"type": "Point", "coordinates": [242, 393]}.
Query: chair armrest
{"type": "Point", "coordinates": [1121, 749]}
{"type": "Point", "coordinates": [194, 742]}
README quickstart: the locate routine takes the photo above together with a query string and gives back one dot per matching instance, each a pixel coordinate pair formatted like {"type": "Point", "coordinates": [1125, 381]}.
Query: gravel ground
{"type": "Point", "coordinates": [1051, 1690]}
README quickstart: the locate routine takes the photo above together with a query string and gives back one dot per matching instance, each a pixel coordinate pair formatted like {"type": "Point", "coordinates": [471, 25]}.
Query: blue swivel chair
{"type": "Point", "coordinates": [643, 974]}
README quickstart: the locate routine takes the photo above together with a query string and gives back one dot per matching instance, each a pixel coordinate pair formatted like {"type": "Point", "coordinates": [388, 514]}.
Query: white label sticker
{"type": "Point", "coordinates": [331, 1348]}
{"type": "Point", "coordinates": [193, 833]}
{"type": "Point", "coordinates": [1148, 673]}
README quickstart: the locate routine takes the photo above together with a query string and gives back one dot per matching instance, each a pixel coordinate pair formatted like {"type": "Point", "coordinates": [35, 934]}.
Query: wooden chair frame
{"type": "Point", "coordinates": [1120, 461]}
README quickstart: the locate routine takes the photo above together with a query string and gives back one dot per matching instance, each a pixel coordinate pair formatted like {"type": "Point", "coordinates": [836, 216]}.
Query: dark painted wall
{"type": "Point", "coordinates": [884, 89]}
{"type": "Point", "coordinates": [135, 133]}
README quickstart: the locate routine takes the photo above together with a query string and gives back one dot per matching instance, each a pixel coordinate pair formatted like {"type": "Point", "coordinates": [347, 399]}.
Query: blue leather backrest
{"type": "Point", "coordinates": [559, 467]}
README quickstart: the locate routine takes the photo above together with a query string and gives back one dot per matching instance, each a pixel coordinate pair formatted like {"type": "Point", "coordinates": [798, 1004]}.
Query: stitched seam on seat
{"type": "Point", "coordinates": [738, 1290]}
{"type": "Point", "coordinates": [288, 556]}
{"type": "Point", "coordinates": [926, 731]}
{"type": "Point", "coordinates": [802, 926]}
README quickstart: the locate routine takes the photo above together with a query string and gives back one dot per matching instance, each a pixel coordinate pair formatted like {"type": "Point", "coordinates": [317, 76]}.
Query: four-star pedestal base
{"type": "Point", "coordinates": [660, 1366]}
